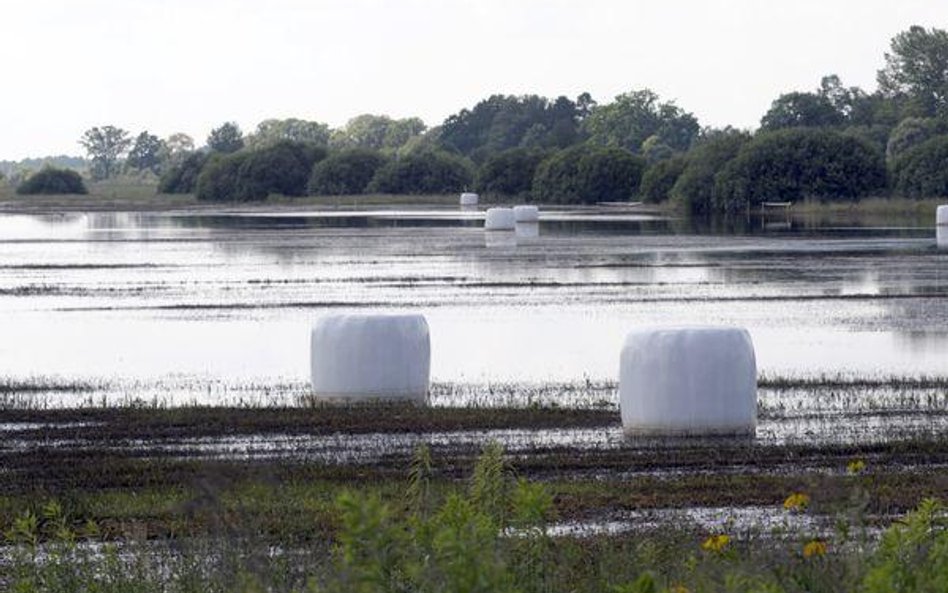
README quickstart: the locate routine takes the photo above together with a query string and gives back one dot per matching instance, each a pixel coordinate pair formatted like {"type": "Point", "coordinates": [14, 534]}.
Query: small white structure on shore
{"type": "Point", "coordinates": [941, 215]}
{"type": "Point", "coordinates": [469, 199]}
{"type": "Point", "coordinates": [526, 213]}
{"type": "Point", "coordinates": [688, 381]}
{"type": "Point", "coordinates": [358, 357]}
{"type": "Point", "coordinates": [499, 219]}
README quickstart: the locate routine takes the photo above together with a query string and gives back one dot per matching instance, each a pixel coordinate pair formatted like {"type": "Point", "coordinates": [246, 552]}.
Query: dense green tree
{"type": "Point", "coordinates": [659, 178]}
{"type": "Point", "coordinates": [635, 116]}
{"type": "Point", "coordinates": [146, 153]}
{"type": "Point", "coordinates": [105, 146]}
{"type": "Point", "coordinates": [911, 132]}
{"type": "Point", "coordinates": [181, 177]}
{"type": "Point", "coordinates": [376, 132]}
{"type": "Point", "coordinates": [693, 190]}
{"type": "Point", "coordinates": [219, 179]}
{"type": "Point", "coordinates": [50, 181]}
{"type": "Point", "coordinates": [509, 172]}
{"type": "Point", "coordinates": [800, 110]}
{"type": "Point", "coordinates": [799, 164]}
{"type": "Point", "coordinates": [282, 168]}
{"type": "Point", "coordinates": [922, 171]}
{"type": "Point", "coordinates": [271, 131]}
{"type": "Point", "coordinates": [877, 135]}
{"type": "Point", "coordinates": [250, 175]}
{"type": "Point", "coordinates": [917, 68]}
{"type": "Point", "coordinates": [501, 122]}
{"type": "Point", "coordinates": [346, 172]}
{"type": "Point", "coordinates": [586, 174]}
{"type": "Point", "coordinates": [423, 172]}
{"type": "Point", "coordinates": [226, 138]}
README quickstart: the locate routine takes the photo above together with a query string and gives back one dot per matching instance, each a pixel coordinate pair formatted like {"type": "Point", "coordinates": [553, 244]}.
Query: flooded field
{"type": "Point", "coordinates": [185, 304]}
{"type": "Point", "coordinates": [111, 314]}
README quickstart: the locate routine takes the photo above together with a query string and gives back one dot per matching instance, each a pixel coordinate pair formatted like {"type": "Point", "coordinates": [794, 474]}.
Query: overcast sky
{"type": "Point", "coordinates": [188, 65]}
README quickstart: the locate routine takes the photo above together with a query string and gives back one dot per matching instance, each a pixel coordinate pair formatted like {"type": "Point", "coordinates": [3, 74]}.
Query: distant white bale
{"type": "Point", "coordinates": [358, 357]}
{"type": "Point", "coordinates": [526, 213]}
{"type": "Point", "coordinates": [688, 381]}
{"type": "Point", "coordinates": [469, 199]}
{"type": "Point", "coordinates": [941, 216]}
{"type": "Point", "coordinates": [499, 219]}
{"type": "Point", "coordinates": [941, 236]}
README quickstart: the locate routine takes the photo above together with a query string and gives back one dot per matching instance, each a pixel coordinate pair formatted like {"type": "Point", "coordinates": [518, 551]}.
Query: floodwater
{"type": "Point", "coordinates": [217, 308]}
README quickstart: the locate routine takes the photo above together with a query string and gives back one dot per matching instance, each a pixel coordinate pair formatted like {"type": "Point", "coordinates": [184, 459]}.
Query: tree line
{"type": "Point", "coordinates": [834, 142]}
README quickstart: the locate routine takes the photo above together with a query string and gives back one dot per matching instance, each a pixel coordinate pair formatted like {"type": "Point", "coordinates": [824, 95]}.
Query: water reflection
{"type": "Point", "coordinates": [143, 295]}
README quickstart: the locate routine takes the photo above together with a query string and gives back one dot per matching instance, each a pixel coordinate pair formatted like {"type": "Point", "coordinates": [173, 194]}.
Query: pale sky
{"type": "Point", "coordinates": [189, 65]}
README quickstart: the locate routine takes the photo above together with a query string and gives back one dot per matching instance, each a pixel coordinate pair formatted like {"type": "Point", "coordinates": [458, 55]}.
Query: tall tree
{"type": "Point", "coordinates": [179, 143]}
{"type": "Point", "coordinates": [917, 67]}
{"type": "Point", "coordinates": [501, 122]}
{"type": "Point", "coordinates": [105, 146]}
{"type": "Point", "coordinates": [272, 131]}
{"type": "Point", "coordinates": [800, 110]}
{"type": "Point", "coordinates": [146, 153]}
{"type": "Point", "coordinates": [226, 139]}
{"type": "Point", "coordinates": [635, 116]}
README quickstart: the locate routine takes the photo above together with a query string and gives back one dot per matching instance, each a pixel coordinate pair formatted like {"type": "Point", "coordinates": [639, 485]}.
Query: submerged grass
{"type": "Point", "coordinates": [486, 532]}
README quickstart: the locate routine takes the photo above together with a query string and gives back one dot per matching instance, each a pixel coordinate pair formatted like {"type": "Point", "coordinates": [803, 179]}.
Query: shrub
{"type": "Point", "coordinates": [510, 172]}
{"type": "Point", "coordinates": [588, 174]}
{"type": "Point", "coordinates": [693, 189]}
{"type": "Point", "coordinates": [923, 170]}
{"type": "Point", "coordinates": [181, 178]}
{"type": "Point", "coordinates": [423, 172]}
{"type": "Point", "coordinates": [659, 179]}
{"type": "Point", "coordinates": [912, 132]}
{"type": "Point", "coordinates": [280, 168]}
{"type": "Point", "coordinates": [345, 172]}
{"type": "Point", "coordinates": [51, 180]}
{"type": "Point", "coordinates": [799, 163]}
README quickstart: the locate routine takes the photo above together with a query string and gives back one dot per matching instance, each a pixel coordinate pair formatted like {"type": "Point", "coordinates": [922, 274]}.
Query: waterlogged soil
{"type": "Point", "coordinates": [164, 356]}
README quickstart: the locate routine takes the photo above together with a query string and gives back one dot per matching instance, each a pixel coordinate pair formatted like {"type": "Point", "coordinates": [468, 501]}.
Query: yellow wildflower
{"type": "Point", "coordinates": [855, 466]}
{"type": "Point", "coordinates": [797, 501]}
{"type": "Point", "coordinates": [814, 548]}
{"type": "Point", "coordinates": [678, 589]}
{"type": "Point", "coordinates": [716, 543]}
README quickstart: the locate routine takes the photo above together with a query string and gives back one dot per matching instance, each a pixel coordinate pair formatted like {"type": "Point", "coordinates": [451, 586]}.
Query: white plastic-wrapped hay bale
{"type": "Point", "coordinates": [499, 219]}
{"type": "Point", "coordinates": [941, 215]}
{"type": "Point", "coordinates": [370, 356]}
{"type": "Point", "coordinates": [526, 213]}
{"type": "Point", "coordinates": [469, 199]}
{"type": "Point", "coordinates": [688, 381]}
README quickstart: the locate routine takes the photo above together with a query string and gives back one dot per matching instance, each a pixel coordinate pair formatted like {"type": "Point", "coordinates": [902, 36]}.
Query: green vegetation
{"type": "Point", "coordinates": [487, 532]}
{"type": "Point", "coordinates": [527, 147]}
{"type": "Point", "coordinates": [660, 178]}
{"type": "Point", "coordinates": [280, 168]}
{"type": "Point", "coordinates": [182, 176]}
{"type": "Point", "coordinates": [423, 172]}
{"type": "Point", "coordinates": [588, 174]}
{"type": "Point", "coordinates": [795, 164]}
{"type": "Point", "coordinates": [693, 190]}
{"type": "Point", "coordinates": [347, 172]}
{"type": "Point", "coordinates": [225, 139]}
{"type": "Point", "coordinates": [923, 171]}
{"type": "Point", "coordinates": [510, 172]}
{"type": "Point", "coordinates": [51, 181]}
